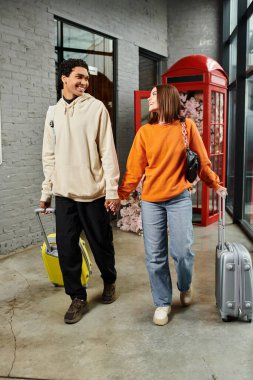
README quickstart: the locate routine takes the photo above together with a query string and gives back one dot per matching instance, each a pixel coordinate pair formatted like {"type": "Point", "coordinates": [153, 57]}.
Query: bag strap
{"type": "Point", "coordinates": [185, 134]}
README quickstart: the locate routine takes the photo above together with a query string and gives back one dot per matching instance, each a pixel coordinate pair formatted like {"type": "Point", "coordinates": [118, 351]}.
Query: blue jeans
{"type": "Point", "coordinates": [177, 214]}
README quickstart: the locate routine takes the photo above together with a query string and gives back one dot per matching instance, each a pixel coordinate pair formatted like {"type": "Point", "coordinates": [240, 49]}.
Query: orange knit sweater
{"type": "Point", "coordinates": [158, 152]}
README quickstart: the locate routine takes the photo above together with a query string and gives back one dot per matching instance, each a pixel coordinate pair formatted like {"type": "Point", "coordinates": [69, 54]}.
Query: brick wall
{"type": "Point", "coordinates": [27, 82]}
{"type": "Point", "coordinates": [27, 88]}
{"type": "Point", "coordinates": [194, 27]}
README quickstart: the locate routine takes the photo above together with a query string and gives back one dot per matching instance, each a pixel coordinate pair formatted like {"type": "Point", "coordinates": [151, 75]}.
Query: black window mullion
{"type": "Point", "coordinates": [240, 120]}
{"type": "Point", "coordinates": [226, 28]}
{"type": "Point", "coordinates": [242, 6]}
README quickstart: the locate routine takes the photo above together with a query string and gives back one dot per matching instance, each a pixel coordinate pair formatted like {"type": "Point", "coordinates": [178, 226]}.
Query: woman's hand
{"type": "Point", "coordinates": [112, 205]}
{"type": "Point", "coordinates": [222, 191]}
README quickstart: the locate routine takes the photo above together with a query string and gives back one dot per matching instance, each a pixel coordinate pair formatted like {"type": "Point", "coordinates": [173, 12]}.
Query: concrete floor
{"type": "Point", "coordinates": [119, 341]}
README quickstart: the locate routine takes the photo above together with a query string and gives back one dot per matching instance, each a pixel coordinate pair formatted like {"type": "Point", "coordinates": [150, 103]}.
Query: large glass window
{"type": "Point", "coordinates": [231, 149]}
{"type": "Point", "coordinates": [74, 41]}
{"type": "Point", "coordinates": [238, 29]}
{"type": "Point", "coordinates": [248, 184]}
{"type": "Point", "coordinates": [250, 43]}
{"type": "Point", "coordinates": [232, 59]}
{"type": "Point", "coordinates": [233, 14]}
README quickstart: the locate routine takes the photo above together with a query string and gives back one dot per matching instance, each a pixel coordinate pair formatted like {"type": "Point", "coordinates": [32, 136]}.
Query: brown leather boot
{"type": "Point", "coordinates": [76, 310]}
{"type": "Point", "coordinates": [109, 294]}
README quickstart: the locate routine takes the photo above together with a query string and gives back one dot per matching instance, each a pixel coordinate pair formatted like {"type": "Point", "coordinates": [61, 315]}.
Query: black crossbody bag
{"type": "Point", "coordinates": [192, 160]}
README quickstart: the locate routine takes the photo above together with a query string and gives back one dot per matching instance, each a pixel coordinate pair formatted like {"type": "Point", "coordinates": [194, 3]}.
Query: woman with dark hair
{"type": "Point", "coordinates": [158, 152]}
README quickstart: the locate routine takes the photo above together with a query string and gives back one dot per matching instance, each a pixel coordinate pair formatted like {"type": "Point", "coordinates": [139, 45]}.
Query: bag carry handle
{"type": "Point", "coordinates": [221, 221]}
{"type": "Point", "coordinates": [38, 211]}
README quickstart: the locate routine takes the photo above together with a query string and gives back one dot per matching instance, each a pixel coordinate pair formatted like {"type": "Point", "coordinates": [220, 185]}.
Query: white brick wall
{"type": "Point", "coordinates": [26, 89]}
{"type": "Point", "coordinates": [27, 82]}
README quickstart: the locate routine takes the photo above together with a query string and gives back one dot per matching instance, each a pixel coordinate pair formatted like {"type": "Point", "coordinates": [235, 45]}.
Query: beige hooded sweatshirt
{"type": "Point", "coordinates": [79, 157]}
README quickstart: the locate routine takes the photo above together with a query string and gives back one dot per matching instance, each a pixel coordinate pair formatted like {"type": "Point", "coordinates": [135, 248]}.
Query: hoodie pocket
{"type": "Point", "coordinates": [78, 182]}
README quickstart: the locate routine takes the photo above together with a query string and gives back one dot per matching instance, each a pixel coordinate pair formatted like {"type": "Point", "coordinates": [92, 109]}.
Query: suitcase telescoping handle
{"type": "Point", "coordinates": [221, 222]}
{"type": "Point", "coordinates": [38, 211]}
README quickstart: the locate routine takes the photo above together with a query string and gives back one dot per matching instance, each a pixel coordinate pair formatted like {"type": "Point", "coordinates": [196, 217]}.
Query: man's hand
{"type": "Point", "coordinates": [112, 205]}
{"type": "Point", "coordinates": [45, 205]}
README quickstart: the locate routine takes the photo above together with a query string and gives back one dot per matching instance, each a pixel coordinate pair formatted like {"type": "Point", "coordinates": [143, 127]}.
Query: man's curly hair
{"type": "Point", "coordinates": [67, 66]}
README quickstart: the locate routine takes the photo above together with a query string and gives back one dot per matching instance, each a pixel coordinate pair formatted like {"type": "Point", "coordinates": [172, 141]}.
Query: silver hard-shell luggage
{"type": "Point", "coordinates": [233, 275]}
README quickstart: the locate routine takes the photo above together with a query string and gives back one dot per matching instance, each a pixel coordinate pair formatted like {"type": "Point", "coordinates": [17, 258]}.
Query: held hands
{"type": "Point", "coordinates": [222, 191]}
{"type": "Point", "coordinates": [112, 205]}
{"type": "Point", "coordinates": [45, 205]}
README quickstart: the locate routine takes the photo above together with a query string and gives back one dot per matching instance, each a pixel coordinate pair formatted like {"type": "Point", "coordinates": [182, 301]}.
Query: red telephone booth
{"type": "Point", "coordinates": [202, 84]}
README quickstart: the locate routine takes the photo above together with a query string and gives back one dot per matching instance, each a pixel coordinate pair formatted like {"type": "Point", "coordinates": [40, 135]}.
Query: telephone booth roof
{"type": "Point", "coordinates": [195, 64]}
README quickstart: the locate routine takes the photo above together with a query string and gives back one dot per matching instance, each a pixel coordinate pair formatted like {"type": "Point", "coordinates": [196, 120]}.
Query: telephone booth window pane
{"type": "Point", "coordinates": [248, 181]}
{"type": "Point", "coordinates": [250, 43]}
{"type": "Point", "coordinates": [233, 60]}
{"type": "Point", "coordinates": [192, 107]}
{"type": "Point", "coordinates": [222, 108]}
{"type": "Point", "coordinates": [197, 203]}
{"type": "Point", "coordinates": [217, 127]}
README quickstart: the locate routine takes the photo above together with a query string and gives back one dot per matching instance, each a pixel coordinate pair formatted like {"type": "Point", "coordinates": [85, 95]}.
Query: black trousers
{"type": "Point", "coordinates": [71, 218]}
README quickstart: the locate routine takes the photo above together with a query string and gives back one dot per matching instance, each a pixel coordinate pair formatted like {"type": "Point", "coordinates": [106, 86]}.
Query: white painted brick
{"type": "Point", "coordinates": [27, 82]}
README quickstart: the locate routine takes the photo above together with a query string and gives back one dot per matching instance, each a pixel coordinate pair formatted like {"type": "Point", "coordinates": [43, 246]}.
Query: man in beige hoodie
{"type": "Point", "coordinates": [81, 170]}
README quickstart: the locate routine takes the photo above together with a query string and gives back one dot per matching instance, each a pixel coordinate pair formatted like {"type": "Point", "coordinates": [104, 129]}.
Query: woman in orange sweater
{"type": "Point", "coordinates": [158, 153]}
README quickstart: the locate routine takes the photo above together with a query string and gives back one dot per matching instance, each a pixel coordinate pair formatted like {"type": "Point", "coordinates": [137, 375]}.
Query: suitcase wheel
{"type": "Point", "coordinates": [228, 319]}
{"type": "Point", "coordinates": [249, 320]}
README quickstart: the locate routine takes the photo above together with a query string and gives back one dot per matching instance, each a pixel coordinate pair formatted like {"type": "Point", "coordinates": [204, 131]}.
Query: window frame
{"type": "Point", "coordinates": [244, 11]}
{"type": "Point", "coordinates": [60, 49]}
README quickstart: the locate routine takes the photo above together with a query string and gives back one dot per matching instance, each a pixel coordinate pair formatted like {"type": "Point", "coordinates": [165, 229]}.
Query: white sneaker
{"type": "Point", "coordinates": [161, 315]}
{"type": "Point", "coordinates": [186, 297]}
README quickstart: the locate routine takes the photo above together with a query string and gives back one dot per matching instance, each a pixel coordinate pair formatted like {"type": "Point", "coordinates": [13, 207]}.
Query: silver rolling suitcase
{"type": "Point", "coordinates": [233, 275]}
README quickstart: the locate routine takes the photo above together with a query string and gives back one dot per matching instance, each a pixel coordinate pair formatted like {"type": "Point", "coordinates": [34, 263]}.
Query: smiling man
{"type": "Point", "coordinates": [81, 170]}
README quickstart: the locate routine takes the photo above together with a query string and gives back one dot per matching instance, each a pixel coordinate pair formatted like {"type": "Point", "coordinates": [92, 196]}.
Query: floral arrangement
{"type": "Point", "coordinates": [130, 212]}
{"type": "Point", "coordinates": [192, 107]}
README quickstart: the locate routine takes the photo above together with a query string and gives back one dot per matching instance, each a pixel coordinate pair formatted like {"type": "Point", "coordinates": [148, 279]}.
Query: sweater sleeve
{"type": "Point", "coordinates": [48, 159]}
{"type": "Point", "coordinates": [135, 168]}
{"type": "Point", "coordinates": [206, 174]}
{"type": "Point", "coordinates": [108, 155]}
